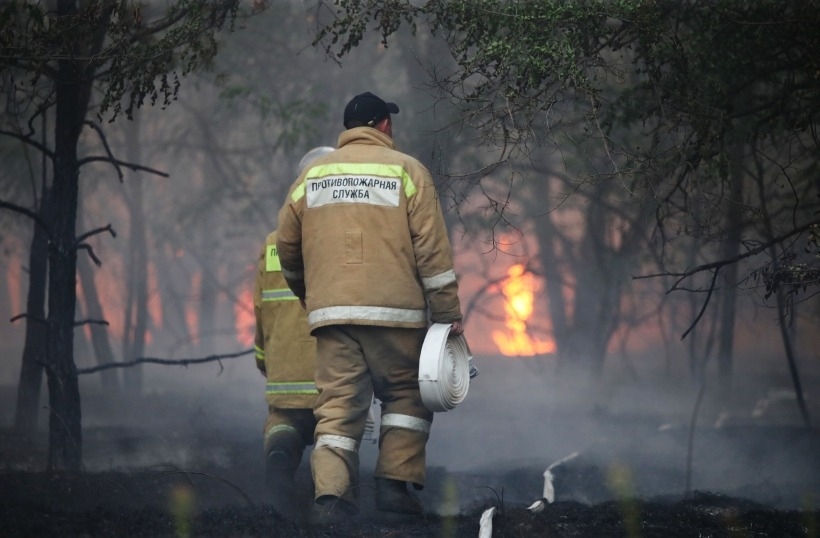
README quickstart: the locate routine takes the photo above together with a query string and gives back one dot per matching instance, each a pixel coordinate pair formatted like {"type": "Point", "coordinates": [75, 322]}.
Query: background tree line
{"type": "Point", "coordinates": [688, 130]}
{"type": "Point", "coordinates": [592, 141]}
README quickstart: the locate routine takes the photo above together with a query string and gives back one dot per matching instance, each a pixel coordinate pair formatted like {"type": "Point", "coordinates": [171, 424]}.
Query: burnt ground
{"type": "Point", "coordinates": [117, 504]}
{"type": "Point", "coordinates": [174, 465]}
{"type": "Point", "coordinates": [203, 499]}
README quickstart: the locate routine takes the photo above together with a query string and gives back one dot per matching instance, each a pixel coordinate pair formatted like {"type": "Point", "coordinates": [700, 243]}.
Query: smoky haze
{"type": "Point", "coordinates": [231, 144]}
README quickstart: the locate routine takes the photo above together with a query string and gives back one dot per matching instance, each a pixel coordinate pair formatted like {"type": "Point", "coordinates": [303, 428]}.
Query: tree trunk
{"type": "Point", "coordinates": [34, 352]}
{"type": "Point", "coordinates": [783, 313]}
{"type": "Point", "coordinates": [99, 333]}
{"type": "Point", "coordinates": [587, 347]}
{"type": "Point", "coordinates": [730, 249]}
{"type": "Point", "coordinates": [65, 433]}
{"type": "Point", "coordinates": [136, 315]}
{"type": "Point", "coordinates": [207, 295]}
{"type": "Point", "coordinates": [782, 316]}
{"type": "Point", "coordinates": [72, 91]}
{"type": "Point", "coordinates": [548, 239]}
{"type": "Point", "coordinates": [580, 338]}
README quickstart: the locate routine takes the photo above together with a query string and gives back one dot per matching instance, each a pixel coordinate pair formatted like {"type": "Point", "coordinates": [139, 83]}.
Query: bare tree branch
{"type": "Point", "coordinates": [703, 307]}
{"type": "Point", "coordinates": [94, 258]}
{"type": "Point", "coordinates": [91, 321]}
{"type": "Point", "coordinates": [717, 265]}
{"type": "Point", "coordinates": [29, 141]}
{"type": "Point", "coordinates": [171, 362]}
{"type": "Point", "coordinates": [104, 141]}
{"type": "Point", "coordinates": [117, 162]}
{"type": "Point", "coordinates": [85, 246]}
{"type": "Point", "coordinates": [721, 263]}
{"type": "Point", "coordinates": [29, 213]}
{"type": "Point", "coordinates": [25, 315]}
{"type": "Point", "coordinates": [86, 235]}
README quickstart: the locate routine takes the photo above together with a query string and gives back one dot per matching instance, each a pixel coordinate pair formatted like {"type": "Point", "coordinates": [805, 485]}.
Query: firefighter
{"type": "Point", "coordinates": [362, 241]}
{"type": "Point", "coordinates": [285, 354]}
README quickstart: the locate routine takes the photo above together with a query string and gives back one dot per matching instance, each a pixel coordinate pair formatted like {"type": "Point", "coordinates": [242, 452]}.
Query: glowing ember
{"type": "Point", "coordinates": [519, 293]}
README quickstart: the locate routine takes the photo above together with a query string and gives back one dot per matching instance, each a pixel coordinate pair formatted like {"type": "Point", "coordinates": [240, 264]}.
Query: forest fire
{"type": "Point", "coordinates": [191, 308]}
{"type": "Point", "coordinates": [519, 290]}
{"type": "Point", "coordinates": [14, 285]}
{"type": "Point", "coordinates": [245, 318]}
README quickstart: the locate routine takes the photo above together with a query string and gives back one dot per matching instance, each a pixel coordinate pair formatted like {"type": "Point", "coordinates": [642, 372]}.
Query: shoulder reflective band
{"type": "Point", "coordinates": [444, 368]}
{"type": "Point", "coordinates": [281, 294]}
{"type": "Point", "coordinates": [337, 441]}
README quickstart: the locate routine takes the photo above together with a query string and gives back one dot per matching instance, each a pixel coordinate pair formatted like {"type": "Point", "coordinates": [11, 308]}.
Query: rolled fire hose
{"type": "Point", "coordinates": [445, 368]}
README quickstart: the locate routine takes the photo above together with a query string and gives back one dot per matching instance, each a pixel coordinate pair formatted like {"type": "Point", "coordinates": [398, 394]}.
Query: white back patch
{"type": "Point", "coordinates": [350, 189]}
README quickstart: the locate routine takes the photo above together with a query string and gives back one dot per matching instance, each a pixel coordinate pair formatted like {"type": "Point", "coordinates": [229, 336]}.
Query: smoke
{"type": "Point", "coordinates": [515, 422]}
{"type": "Point", "coordinates": [205, 223]}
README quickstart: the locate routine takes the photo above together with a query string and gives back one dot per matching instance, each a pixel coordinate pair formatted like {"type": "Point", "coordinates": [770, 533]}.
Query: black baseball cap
{"type": "Point", "coordinates": [369, 109]}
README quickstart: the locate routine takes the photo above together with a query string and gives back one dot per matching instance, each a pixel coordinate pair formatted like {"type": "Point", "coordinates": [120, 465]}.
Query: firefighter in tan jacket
{"type": "Point", "coordinates": [362, 241]}
{"type": "Point", "coordinates": [285, 354]}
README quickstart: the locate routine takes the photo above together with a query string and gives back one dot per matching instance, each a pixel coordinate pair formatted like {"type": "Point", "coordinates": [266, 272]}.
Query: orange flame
{"type": "Point", "coordinates": [519, 293]}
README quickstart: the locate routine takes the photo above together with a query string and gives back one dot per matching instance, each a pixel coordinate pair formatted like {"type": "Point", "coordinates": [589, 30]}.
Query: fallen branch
{"type": "Point", "coordinates": [173, 470]}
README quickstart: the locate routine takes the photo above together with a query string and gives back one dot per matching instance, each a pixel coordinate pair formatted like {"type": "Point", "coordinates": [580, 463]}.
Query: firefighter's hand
{"type": "Point", "coordinates": [456, 328]}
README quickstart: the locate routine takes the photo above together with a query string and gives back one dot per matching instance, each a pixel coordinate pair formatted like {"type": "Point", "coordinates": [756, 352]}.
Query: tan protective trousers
{"type": "Point", "coordinates": [297, 425]}
{"type": "Point", "coordinates": [352, 363]}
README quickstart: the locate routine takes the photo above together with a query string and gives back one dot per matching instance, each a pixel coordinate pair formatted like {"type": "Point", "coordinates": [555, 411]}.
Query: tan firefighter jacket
{"type": "Point", "coordinates": [285, 351]}
{"type": "Point", "coordinates": [362, 238]}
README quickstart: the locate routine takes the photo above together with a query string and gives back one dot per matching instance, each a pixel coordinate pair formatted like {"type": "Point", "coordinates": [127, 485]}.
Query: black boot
{"type": "Point", "coordinates": [392, 496]}
{"type": "Point", "coordinates": [330, 510]}
{"type": "Point", "coordinates": [283, 458]}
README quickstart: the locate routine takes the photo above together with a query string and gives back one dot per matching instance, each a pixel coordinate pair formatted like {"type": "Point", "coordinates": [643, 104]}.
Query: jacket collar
{"type": "Point", "coordinates": [365, 135]}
